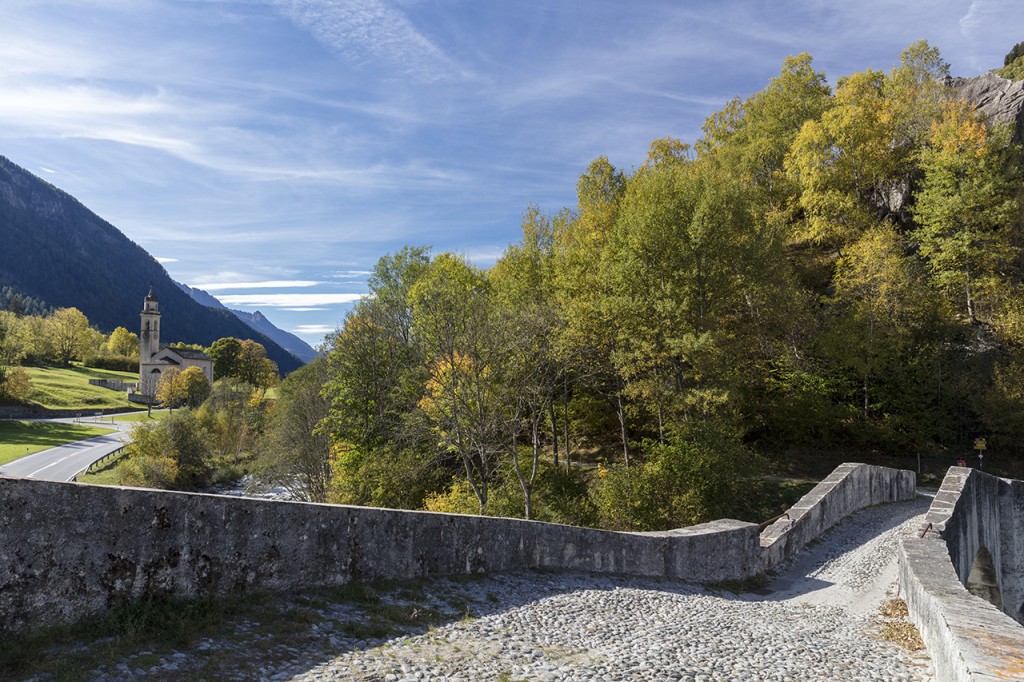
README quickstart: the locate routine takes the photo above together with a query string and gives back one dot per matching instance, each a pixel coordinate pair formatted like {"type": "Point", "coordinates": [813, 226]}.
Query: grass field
{"type": "Point", "coordinates": [18, 438]}
{"type": "Point", "coordinates": [156, 416]}
{"type": "Point", "coordinates": [68, 388]}
{"type": "Point", "coordinates": [106, 474]}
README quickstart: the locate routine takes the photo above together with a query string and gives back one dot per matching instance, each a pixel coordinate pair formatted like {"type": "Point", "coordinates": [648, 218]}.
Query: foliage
{"type": "Point", "coordinates": [116, 363]}
{"type": "Point", "coordinates": [188, 387]}
{"type": "Point", "coordinates": [68, 328]}
{"type": "Point", "coordinates": [1015, 53]}
{"type": "Point", "coordinates": [697, 475]}
{"type": "Point", "coordinates": [822, 268]}
{"type": "Point", "coordinates": [244, 360]}
{"type": "Point", "coordinates": [14, 341]}
{"type": "Point", "coordinates": [123, 342]}
{"type": "Point", "coordinates": [172, 454]}
{"type": "Point", "coordinates": [1013, 71]}
{"type": "Point", "coordinates": [296, 453]}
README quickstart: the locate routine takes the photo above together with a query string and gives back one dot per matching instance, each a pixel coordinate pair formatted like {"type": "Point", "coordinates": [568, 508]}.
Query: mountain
{"type": "Point", "coordinates": [258, 322]}
{"type": "Point", "coordinates": [54, 249]}
{"type": "Point", "coordinates": [1001, 100]}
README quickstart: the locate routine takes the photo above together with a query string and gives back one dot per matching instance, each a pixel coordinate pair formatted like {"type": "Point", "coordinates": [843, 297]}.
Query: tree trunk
{"type": "Point", "coordinates": [554, 430]}
{"type": "Point", "coordinates": [621, 411]}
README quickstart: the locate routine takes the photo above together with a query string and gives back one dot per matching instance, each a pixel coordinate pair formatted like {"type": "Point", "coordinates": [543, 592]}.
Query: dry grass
{"type": "Point", "coordinates": [894, 626]}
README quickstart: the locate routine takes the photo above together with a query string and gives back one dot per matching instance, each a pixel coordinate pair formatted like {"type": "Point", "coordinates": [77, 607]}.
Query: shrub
{"type": "Point", "coordinates": [117, 363]}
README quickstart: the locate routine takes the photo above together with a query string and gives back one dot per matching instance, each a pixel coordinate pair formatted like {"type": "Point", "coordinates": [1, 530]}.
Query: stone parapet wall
{"type": "Point", "coordinates": [975, 518]}
{"type": "Point", "coordinates": [848, 488]}
{"type": "Point", "coordinates": [68, 550]}
{"type": "Point", "coordinates": [967, 638]}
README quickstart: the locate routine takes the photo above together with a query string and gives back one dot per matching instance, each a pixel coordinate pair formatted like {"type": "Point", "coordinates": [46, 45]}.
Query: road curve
{"type": "Point", "coordinates": [63, 462]}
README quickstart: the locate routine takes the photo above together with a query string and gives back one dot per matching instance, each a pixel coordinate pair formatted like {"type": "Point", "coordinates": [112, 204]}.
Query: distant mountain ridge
{"type": "Point", "coordinates": [56, 250]}
{"type": "Point", "coordinates": [258, 322]}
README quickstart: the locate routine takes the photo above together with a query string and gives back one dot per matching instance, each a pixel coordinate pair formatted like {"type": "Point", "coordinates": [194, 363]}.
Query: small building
{"type": "Point", "coordinates": [154, 360]}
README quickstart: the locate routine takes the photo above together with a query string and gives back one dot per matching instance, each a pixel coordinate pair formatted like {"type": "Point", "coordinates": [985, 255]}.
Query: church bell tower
{"type": "Point", "coordinates": [149, 336]}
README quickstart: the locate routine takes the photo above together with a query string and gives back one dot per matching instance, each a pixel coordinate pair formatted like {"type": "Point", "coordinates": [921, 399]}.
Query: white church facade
{"type": "Point", "coordinates": [154, 360]}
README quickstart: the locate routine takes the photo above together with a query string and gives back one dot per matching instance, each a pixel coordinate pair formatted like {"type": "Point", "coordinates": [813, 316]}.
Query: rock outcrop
{"type": "Point", "coordinates": [999, 99]}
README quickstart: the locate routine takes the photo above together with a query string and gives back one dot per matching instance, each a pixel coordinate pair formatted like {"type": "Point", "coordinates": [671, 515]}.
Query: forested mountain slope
{"type": "Point", "coordinates": [54, 249]}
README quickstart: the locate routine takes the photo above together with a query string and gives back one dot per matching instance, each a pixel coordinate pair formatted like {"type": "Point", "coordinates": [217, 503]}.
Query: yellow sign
{"type": "Point", "coordinates": [979, 443]}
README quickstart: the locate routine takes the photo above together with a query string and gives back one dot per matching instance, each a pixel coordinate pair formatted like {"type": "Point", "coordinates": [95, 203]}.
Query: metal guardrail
{"type": "Point", "coordinates": [113, 454]}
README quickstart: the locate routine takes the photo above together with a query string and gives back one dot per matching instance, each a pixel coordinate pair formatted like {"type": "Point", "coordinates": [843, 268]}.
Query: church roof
{"type": "Point", "coordinates": [151, 296]}
{"type": "Point", "coordinates": [187, 353]}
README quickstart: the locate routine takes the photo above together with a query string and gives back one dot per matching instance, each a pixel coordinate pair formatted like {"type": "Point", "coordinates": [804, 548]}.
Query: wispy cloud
{"type": "Point", "coordinates": [162, 259]}
{"type": "Point", "coordinates": [313, 329]}
{"type": "Point", "coordinates": [268, 284]}
{"type": "Point", "coordinates": [288, 300]}
{"type": "Point", "coordinates": [359, 29]}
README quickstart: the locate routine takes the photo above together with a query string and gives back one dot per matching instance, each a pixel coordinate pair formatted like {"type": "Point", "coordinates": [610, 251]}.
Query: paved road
{"type": "Point", "coordinates": [62, 463]}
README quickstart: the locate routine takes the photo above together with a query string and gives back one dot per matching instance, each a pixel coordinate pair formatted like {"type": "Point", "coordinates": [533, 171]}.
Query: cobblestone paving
{"type": "Point", "coordinates": [817, 620]}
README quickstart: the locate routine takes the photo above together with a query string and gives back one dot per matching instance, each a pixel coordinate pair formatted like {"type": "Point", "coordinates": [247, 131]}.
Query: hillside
{"type": "Point", "coordinates": [258, 322]}
{"type": "Point", "coordinates": [58, 251]}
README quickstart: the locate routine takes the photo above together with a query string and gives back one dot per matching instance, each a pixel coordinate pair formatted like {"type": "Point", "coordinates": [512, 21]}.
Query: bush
{"type": "Point", "coordinates": [698, 475]}
{"type": "Point", "coordinates": [172, 454]}
{"type": "Point", "coordinates": [385, 477]}
{"type": "Point", "coordinates": [117, 363]}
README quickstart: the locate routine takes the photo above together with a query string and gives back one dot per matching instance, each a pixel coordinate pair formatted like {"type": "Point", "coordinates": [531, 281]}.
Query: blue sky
{"type": "Point", "coordinates": [270, 151]}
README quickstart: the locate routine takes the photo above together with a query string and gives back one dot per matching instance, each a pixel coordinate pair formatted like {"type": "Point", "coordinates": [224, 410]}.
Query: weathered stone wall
{"type": "Point", "coordinates": [968, 637]}
{"type": "Point", "coordinates": [68, 550]}
{"type": "Point", "coordinates": [849, 488]}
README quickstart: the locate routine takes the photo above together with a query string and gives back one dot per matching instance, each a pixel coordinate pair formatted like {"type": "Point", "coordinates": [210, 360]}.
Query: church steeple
{"type": "Point", "coordinates": [149, 336]}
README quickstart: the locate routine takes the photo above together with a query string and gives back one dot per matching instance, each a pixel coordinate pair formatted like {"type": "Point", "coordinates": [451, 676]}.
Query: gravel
{"type": "Point", "coordinates": [816, 620]}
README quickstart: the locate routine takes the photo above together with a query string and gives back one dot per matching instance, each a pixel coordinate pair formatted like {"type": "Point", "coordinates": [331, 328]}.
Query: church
{"type": "Point", "coordinates": [154, 360]}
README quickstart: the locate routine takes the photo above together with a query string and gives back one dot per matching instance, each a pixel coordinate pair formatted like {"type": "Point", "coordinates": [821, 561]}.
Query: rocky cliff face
{"type": "Point", "coordinates": [1001, 100]}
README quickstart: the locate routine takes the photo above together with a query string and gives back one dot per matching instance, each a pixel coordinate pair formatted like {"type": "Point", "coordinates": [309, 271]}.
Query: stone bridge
{"type": "Point", "coordinates": [963, 577]}
{"type": "Point", "coordinates": [68, 550]}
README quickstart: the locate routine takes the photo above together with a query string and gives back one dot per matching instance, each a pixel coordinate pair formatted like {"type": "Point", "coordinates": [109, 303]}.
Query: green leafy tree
{"type": "Point", "coordinates": [296, 452]}
{"type": "Point", "coordinates": [69, 331]}
{"type": "Point", "coordinates": [254, 367]}
{"type": "Point", "coordinates": [969, 211]}
{"type": "Point", "coordinates": [376, 371]}
{"type": "Point", "coordinates": [586, 341]}
{"type": "Point", "coordinates": [452, 322]}
{"type": "Point", "coordinates": [14, 344]}
{"type": "Point", "coordinates": [123, 342]}
{"type": "Point", "coordinates": [171, 454]}
{"type": "Point", "coordinates": [226, 353]}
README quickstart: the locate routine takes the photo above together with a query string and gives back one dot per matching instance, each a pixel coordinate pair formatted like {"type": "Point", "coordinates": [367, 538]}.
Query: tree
{"type": "Point", "coordinates": [751, 139]}
{"type": "Point", "coordinates": [586, 341]}
{"type": "Point", "coordinates": [170, 392]}
{"type": "Point", "coordinates": [450, 305]}
{"type": "Point", "coordinates": [296, 452]}
{"type": "Point", "coordinates": [194, 386]}
{"type": "Point", "coordinates": [13, 349]}
{"type": "Point", "coordinates": [254, 367]}
{"type": "Point", "coordinates": [232, 417]}
{"type": "Point", "coordinates": [1015, 53]}
{"type": "Point", "coordinates": [375, 369]}
{"type": "Point", "coordinates": [123, 342]}
{"type": "Point", "coordinates": [968, 208]}
{"type": "Point", "coordinates": [883, 310]}
{"type": "Point", "coordinates": [225, 353]}
{"type": "Point", "coordinates": [69, 329]}
{"type": "Point", "coordinates": [171, 454]}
